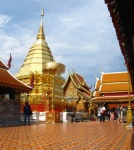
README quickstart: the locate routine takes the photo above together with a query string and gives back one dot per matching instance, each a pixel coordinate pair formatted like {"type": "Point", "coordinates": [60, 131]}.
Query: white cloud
{"type": "Point", "coordinates": [4, 19]}
{"type": "Point", "coordinates": [79, 33]}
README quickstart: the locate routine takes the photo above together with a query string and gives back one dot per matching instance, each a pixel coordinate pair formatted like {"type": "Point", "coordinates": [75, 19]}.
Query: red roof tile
{"type": "Point", "coordinates": [81, 80]}
{"type": "Point", "coordinates": [75, 81]}
{"type": "Point", "coordinates": [7, 79]}
{"type": "Point", "coordinates": [2, 65]}
{"type": "Point", "coordinates": [79, 83]}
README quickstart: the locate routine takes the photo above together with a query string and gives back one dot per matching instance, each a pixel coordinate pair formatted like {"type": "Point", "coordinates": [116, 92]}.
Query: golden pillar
{"type": "Point", "coordinates": [47, 96]}
{"type": "Point", "coordinates": [53, 68]}
{"type": "Point", "coordinates": [129, 110]}
{"type": "Point", "coordinates": [90, 107]}
{"type": "Point", "coordinates": [53, 85]}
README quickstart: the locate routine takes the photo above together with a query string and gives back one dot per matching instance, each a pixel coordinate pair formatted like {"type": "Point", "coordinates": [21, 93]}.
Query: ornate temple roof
{"type": "Point", "coordinates": [8, 80]}
{"type": "Point", "coordinates": [112, 86]}
{"type": "Point", "coordinates": [96, 93]}
{"type": "Point", "coordinates": [38, 55]}
{"type": "Point", "coordinates": [97, 84]}
{"type": "Point", "coordinates": [79, 83]}
{"type": "Point", "coordinates": [114, 77]}
{"type": "Point", "coordinates": [112, 98]}
{"type": "Point", "coordinates": [81, 80]}
{"type": "Point", "coordinates": [114, 82]}
{"type": "Point", "coordinates": [2, 65]}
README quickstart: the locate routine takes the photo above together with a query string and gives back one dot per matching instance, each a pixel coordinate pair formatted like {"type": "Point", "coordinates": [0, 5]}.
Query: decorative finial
{"type": "Point", "coordinates": [42, 13]}
{"type": "Point", "coordinates": [73, 70]}
{"type": "Point", "coordinates": [41, 30]}
{"type": "Point", "coordinates": [95, 76]}
{"type": "Point", "coordinates": [101, 70]}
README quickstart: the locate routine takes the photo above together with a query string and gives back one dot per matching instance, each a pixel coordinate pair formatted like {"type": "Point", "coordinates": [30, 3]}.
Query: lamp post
{"type": "Point", "coordinates": [129, 110]}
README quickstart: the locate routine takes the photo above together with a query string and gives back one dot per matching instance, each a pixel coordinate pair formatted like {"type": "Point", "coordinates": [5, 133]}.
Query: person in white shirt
{"type": "Point", "coordinates": [103, 111]}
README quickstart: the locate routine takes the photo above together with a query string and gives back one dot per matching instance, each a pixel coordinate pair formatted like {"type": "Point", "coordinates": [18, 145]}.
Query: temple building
{"type": "Point", "coordinates": [121, 13]}
{"type": "Point", "coordinates": [47, 93]}
{"type": "Point", "coordinates": [10, 90]}
{"type": "Point", "coordinates": [77, 93]}
{"type": "Point", "coordinates": [112, 89]}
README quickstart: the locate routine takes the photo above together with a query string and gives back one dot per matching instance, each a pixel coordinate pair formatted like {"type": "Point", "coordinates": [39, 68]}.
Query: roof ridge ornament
{"type": "Point", "coordinates": [73, 71]}
{"type": "Point", "coordinates": [101, 70]}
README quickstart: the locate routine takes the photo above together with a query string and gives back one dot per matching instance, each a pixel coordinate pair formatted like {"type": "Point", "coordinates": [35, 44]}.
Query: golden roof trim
{"type": "Point", "coordinates": [74, 81]}
{"type": "Point", "coordinates": [83, 80]}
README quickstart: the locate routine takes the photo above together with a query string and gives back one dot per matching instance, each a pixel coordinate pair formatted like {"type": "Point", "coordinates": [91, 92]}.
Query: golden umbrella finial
{"type": "Point", "coordinates": [42, 13]}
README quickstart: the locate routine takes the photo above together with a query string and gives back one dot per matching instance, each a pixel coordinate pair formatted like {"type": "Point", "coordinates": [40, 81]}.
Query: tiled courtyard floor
{"type": "Point", "coordinates": [91, 135]}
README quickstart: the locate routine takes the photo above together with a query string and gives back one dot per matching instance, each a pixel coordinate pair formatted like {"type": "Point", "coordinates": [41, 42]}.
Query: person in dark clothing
{"type": "Point", "coordinates": [119, 114]}
{"type": "Point", "coordinates": [108, 113]}
{"type": "Point", "coordinates": [27, 113]}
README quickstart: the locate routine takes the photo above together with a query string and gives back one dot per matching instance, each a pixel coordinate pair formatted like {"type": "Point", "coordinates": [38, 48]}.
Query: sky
{"type": "Point", "coordinates": [80, 34]}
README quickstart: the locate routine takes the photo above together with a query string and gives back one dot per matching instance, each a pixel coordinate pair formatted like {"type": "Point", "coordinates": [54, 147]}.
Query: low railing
{"type": "Point", "coordinates": [16, 119]}
{"type": "Point", "coordinates": [34, 118]}
{"type": "Point", "coordinates": [10, 119]}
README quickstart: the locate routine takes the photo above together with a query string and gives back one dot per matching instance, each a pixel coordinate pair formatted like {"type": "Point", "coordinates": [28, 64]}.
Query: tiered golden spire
{"type": "Point", "coordinates": [46, 80]}
{"type": "Point", "coordinates": [38, 55]}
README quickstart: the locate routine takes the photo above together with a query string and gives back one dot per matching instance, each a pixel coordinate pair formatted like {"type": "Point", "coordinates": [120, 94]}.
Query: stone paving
{"type": "Point", "coordinates": [92, 135]}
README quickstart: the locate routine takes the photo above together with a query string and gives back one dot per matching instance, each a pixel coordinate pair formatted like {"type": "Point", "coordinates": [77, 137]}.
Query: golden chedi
{"type": "Point", "coordinates": [34, 73]}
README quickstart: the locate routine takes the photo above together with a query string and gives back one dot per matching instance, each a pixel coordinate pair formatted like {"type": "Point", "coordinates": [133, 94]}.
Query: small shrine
{"type": "Point", "coordinates": [77, 93]}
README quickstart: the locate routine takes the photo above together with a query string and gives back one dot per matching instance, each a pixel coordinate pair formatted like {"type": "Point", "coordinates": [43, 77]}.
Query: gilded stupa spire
{"type": "Point", "coordinates": [40, 70]}
{"type": "Point", "coordinates": [38, 55]}
{"type": "Point", "coordinates": [41, 30]}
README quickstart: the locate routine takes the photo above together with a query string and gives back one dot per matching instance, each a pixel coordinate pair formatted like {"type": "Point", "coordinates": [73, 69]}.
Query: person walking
{"type": "Point", "coordinates": [99, 113]}
{"type": "Point", "coordinates": [108, 113]}
{"type": "Point", "coordinates": [121, 108]}
{"type": "Point", "coordinates": [27, 113]}
{"type": "Point", "coordinates": [112, 114]}
{"type": "Point", "coordinates": [119, 114]}
{"type": "Point", "coordinates": [103, 110]}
